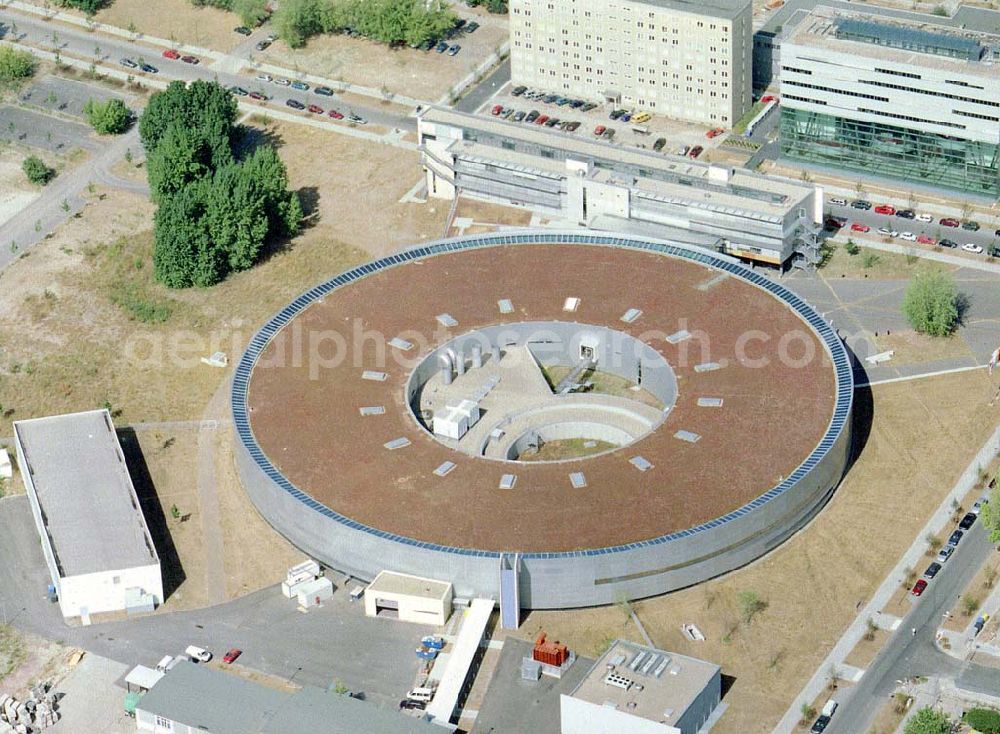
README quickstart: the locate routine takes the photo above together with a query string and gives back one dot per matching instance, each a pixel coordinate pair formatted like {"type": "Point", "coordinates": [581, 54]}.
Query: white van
{"type": "Point", "coordinates": [165, 663]}
{"type": "Point", "coordinates": [421, 694]}
{"type": "Point", "coordinates": [197, 654]}
{"type": "Point", "coordinates": [357, 592]}
{"type": "Point", "coordinates": [640, 130]}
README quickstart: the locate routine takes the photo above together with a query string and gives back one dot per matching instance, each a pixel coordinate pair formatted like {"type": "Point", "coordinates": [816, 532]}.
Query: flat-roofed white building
{"type": "Point", "coordinates": [685, 59]}
{"type": "Point", "coordinates": [634, 689]}
{"type": "Point", "coordinates": [587, 182]}
{"type": "Point", "coordinates": [409, 598]}
{"type": "Point", "coordinates": [96, 543]}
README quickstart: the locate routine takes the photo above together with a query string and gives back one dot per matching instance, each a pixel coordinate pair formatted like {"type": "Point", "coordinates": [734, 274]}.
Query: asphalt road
{"type": "Point", "coordinates": [485, 89]}
{"type": "Point", "coordinates": [70, 41]}
{"type": "Point", "coordinates": [986, 237]}
{"type": "Point", "coordinates": [337, 642]}
{"type": "Point", "coordinates": [906, 655]}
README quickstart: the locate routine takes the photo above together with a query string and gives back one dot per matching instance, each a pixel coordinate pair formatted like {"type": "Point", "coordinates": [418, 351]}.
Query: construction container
{"type": "Point", "coordinates": [315, 592]}
{"type": "Point", "coordinates": [549, 653]}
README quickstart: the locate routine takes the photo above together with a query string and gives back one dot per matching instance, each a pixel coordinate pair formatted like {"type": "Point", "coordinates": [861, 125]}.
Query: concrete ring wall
{"type": "Point", "coordinates": [564, 579]}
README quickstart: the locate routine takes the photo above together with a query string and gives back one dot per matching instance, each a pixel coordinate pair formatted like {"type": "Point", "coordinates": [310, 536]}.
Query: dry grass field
{"type": "Point", "coordinates": [921, 437]}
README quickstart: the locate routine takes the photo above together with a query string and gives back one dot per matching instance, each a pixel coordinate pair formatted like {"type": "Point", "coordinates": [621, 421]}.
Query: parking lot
{"type": "Point", "coordinates": [593, 115]}
{"type": "Point", "coordinates": [66, 96]}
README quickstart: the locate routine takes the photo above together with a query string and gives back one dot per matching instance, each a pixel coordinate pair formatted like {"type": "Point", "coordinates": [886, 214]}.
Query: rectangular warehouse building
{"type": "Point", "coordinates": [96, 543]}
{"type": "Point", "coordinates": [634, 689]}
{"type": "Point", "coordinates": [591, 183]}
{"type": "Point", "coordinates": [899, 97]}
{"type": "Point", "coordinates": [680, 58]}
{"type": "Point", "coordinates": [409, 598]}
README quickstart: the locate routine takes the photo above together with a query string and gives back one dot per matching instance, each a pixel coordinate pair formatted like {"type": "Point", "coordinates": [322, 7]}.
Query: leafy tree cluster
{"type": "Point", "coordinates": [15, 64]}
{"type": "Point", "coordinates": [928, 721]}
{"type": "Point", "coordinates": [108, 118]}
{"type": "Point", "coordinates": [388, 21]}
{"type": "Point", "coordinates": [493, 6]}
{"type": "Point", "coordinates": [37, 171]}
{"type": "Point", "coordinates": [986, 721]}
{"type": "Point", "coordinates": [215, 212]}
{"type": "Point", "coordinates": [930, 303]}
{"type": "Point", "coordinates": [87, 6]}
{"type": "Point", "coordinates": [991, 512]}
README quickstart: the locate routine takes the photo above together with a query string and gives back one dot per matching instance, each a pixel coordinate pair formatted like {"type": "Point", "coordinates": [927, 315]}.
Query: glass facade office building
{"type": "Point", "coordinates": [889, 150]}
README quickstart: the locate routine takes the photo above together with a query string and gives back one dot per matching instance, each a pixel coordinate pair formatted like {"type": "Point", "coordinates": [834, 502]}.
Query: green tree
{"type": "Point", "coordinates": [928, 721]}
{"type": "Point", "coordinates": [986, 721]}
{"type": "Point", "coordinates": [251, 12]}
{"type": "Point", "coordinates": [203, 106]}
{"type": "Point", "coordinates": [266, 173]}
{"type": "Point", "coordinates": [108, 118]}
{"type": "Point", "coordinates": [15, 64]}
{"type": "Point", "coordinates": [990, 512]}
{"type": "Point", "coordinates": [931, 303]}
{"type": "Point", "coordinates": [237, 216]}
{"type": "Point", "coordinates": [184, 254]}
{"type": "Point", "coordinates": [180, 159]}
{"type": "Point", "coordinates": [37, 171]}
{"type": "Point", "coordinates": [87, 6]}
{"type": "Point", "coordinates": [750, 605]}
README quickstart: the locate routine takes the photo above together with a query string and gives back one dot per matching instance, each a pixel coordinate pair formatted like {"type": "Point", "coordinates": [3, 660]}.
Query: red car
{"type": "Point", "coordinates": [230, 657]}
{"type": "Point", "coordinates": [714, 133]}
{"type": "Point", "coordinates": [599, 130]}
{"type": "Point", "coordinates": [859, 227]}
{"type": "Point", "coordinates": [335, 115]}
{"type": "Point", "coordinates": [190, 59]}
{"type": "Point", "coordinates": [769, 98]}
{"type": "Point", "coordinates": [949, 222]}
{"type": "Point", "coordinates": [171, 54]}
{"type": "Point", "coordinates": [315, 109]}
{"type": "Point", "coordinates": [695, 151]}
{"type": "Point", "coordinates": [926, 239]}
{"type": "Point", "coordinates": [260, 96]}
{"type": "Point", "coordinates": [885, 209]}
{"type": "Point", "coordinates": [542, 119]}
{"type": "Point", "coordinates": [497, 109]}
{"type": "Point", "coordinates": [918, 588]}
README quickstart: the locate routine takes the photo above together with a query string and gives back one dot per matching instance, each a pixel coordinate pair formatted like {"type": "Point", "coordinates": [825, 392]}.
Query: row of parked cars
{"type": "Point", "coordinates": [296, 104]}
{"type": "Point", "coordinates": [534, 117]}
{"type": "Point", "coordinates": [967, 521]}
{"type": "Point", "coordinates": [140, 65]}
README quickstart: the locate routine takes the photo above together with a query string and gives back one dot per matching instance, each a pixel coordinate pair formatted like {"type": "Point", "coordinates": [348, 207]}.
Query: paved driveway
{"type": "Point", "coordinates": [337, 642]}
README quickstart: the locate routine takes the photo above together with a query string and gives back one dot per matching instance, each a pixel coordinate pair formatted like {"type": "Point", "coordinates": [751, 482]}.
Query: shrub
{"type": "Point", "coordinates": [87, 6]}
{"type": "Point", "coordinates": [36, 170]}
{"type": "Point", "coordinates": [108, 118]}
{"type": "Point", "coordinates": [986, 721]}
{"type": "Point", "coordinates": [931, 303]}
{"type": "Point", "coordinates": [15, 64]}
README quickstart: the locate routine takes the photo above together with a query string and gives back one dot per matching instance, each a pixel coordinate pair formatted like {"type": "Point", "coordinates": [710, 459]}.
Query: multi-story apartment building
{"type": "Point", "coordinates": [684, 59]}
{"type": "Point", "coordinates": [902, 98]}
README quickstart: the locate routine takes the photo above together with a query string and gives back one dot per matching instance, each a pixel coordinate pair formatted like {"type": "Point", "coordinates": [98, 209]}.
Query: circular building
{"type": "Point", "coordinates": [611, 416]}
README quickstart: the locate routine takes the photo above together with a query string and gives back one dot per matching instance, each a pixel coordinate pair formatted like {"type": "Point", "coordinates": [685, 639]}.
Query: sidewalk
{"type": "Point", "coordinates": [963, 644]}
{"type": "Point", "coordinates": [941, 257]}
{"type": "Point", "coordinates": [910, 559]}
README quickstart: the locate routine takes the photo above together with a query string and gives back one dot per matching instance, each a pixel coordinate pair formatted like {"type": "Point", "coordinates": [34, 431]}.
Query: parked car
{"type": "Point", "coordinates": [194, 60]}
{"type": "Point", "coordinates": [472, 27]}
{"type": "Point", "coordinates": [626, 116]}
{"type": "Point", "coordinates": [659, 144]}
{"type": "Point", "coordinates": [926, 218]}
{"type": "Point", "coordinates": [695, 151]}
{"type": "Point", "coordinates": [968, 521]}
{"type": "Point", "coordinates": [259, 96]}
{"type": "Point", "coordinates": [283, 82]}
{"type": "Point", "coordinates": [573, 127]}
{"type": "Point", "coordinates": [886, 232]}
{"type": "Point", "coordinates": [301, 86]}
{"type": "Point", "coordinates": [518, 91]}
{"type": "Point", "coordinates": [295, 104]}
{"type": "Point", "coordinates": [932, 570]}
{"type": "Point", "coordinates": [441, 47]}
{"type": "Point", "coordinates": [239, 91]}
{"type": "Point", "coordinates": [885, 209]}
{"type": "Point", "coordinates": [542, 119]}
{"type": "Point", "coordinates": [970, 226]}
{"type": "Point", "coordinates": [615, 114]}
{"type": "Point", "coordinates": [926, 239]}
{"type": "Point", "coordinates": [944, 554]}
{"type": "Point", "coordinates": [409, 703]}
{"type": "Point", "coordinates": [454, 50]}
{"type": "Point", "coordinates": [948, 243]}
{"type": "Point", "coordinates": [532, 116]}
{"type": "Point", "coordinates": [336, 115]}
{"type": "Point", "coordinates": [357, 119]}
{"type": "Point", "coordinates": [265, 78]}
{"type": "Point", "coordinates": [242, 30]}
{"type": "Point", "coordinates": [171, 54]}
{"type": "Point", "coordinates": [608, 134]}
{"type": "Point", "coordinates": [599, 130]}
{"type": "Point", "coordinates": [918, 588]}
{"type": "Point", "coordinates": [979, 504]}
{"type": "Point", "coordinates": [496, 109]}
{"type": "Point", "coordinates": [518, 116]}
{"type": "Point", "coordinates": [197, 654]}
{"type": "Point", "coordinates": [426, 653]}
{"type": "Point", "coordinates": [714, 132]}
{"type": "Point", "coordinates": [315, 109]}
{"type": "Point", "coordinates": [838, 202]}
{"type": "Point", "coordinates": [149, 69]}
{"type": "Point", "coordinates": [323, 91]}
{"type": "Point", "coordinates": [955, 538]}
{"type": "Point", "coordinates": [859, 227]}
{"type": "Point", "coordinates": [974, 249]}
{"type": "Point", "coordinates": [835, 222]}
{"type": "Point", "coordinates": [129, 63]}
{"type": "Point", "coordinates": [829, 709]}
{"type": "Point", "coordinates": [996, 233]}
{"type": "Point", "coordinates": [433, 641]}
{"type": "Point", "coordinates": [769, 98]}
{"type": "Point", "coordinates": [908, 237]}
{"type": "Point", "coordinates": [642, 117]}
{"type": "Point", "coordinates": [948, 222]}
{"type": "Point", "coordinates": [861, 204]}
{"type": "Point", "coordinates": [263, 44]}
{"type": "Point", "coordinates": [230, 657]}
{"type": "Point", "coordinates": [906, 213]}
{"type": "Point", "coordinates": [684, 150]}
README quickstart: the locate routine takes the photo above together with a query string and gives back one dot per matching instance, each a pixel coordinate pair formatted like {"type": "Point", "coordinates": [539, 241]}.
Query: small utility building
{"type": "Point", "coordinates": [409, 598]}
{"type": "Point", "coordinates": [94, 537]}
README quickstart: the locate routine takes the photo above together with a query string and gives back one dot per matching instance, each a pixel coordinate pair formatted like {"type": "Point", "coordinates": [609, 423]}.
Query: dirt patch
{"type": "Point", "coordinates": [176, 20]}
{"type": "Point", "coordinates": [490, 216]}
{"type": "Point", "coordinates": [605, 383]}
{"type": "Point", "coordinates": [969, 602]}
{"type": "Point", "coordinates": [15, 191]}
{"type": "Point", "coordinates": [869, 263]}
{"type": "Point", "coordinates": [913, 348]}
{"type": "Point", "coordinates": [866, 650]}
{"type": "Point", "coordinates": [816, 582]}
{"type": "Point", "coordinates": [570, 448]}
{"type": "Point", "coordinates": [890, 715]}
